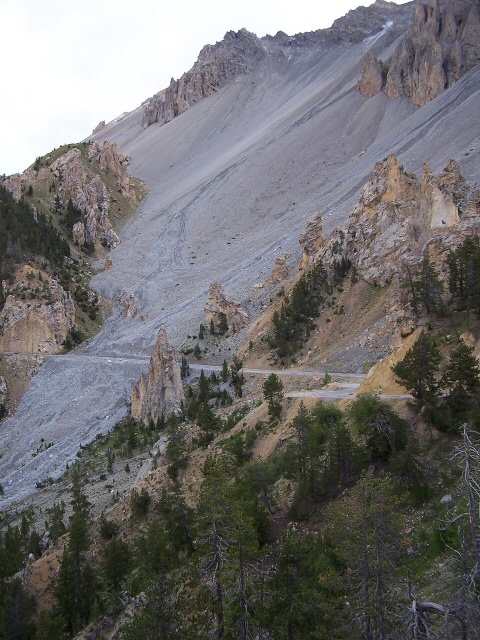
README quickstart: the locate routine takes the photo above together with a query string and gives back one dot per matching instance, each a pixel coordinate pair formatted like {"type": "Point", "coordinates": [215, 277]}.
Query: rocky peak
{"type": "Point", "coordinates": [216, 65]}
{"type": "Point", "coordinates": [220, 309]}
{"type": "Point", "coordinates": [443, 44]}
{"type": "Point", "coordinates": [161, 390]}
{"type": "Point", "coordinates": [111, 161]}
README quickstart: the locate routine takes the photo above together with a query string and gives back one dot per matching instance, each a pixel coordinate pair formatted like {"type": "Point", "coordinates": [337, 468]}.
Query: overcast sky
{"type": "Point", "coordinates": [67, 64]}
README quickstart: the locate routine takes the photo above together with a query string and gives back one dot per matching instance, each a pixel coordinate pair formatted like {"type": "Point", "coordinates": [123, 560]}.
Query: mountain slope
{"type": "Point", "coordinates": [232, 182]}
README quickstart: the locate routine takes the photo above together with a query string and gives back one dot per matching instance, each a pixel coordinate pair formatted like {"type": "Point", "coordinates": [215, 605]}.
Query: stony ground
{"type": "Point", "coordinates": [232, 182]}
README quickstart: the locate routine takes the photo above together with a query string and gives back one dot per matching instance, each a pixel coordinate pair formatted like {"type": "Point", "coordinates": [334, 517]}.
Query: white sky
{"type": "Point", "coordinates": [67, 64]}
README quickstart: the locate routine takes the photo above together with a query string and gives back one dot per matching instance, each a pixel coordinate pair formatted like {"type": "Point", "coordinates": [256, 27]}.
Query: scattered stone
{"type": "Point", "coordinates": [446, 499]}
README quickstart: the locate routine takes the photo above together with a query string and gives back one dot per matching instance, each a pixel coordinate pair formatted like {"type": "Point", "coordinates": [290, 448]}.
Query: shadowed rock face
{"type": "Point", "coordinates": [443, 44]}
{"type": "Point", "coordinates": [161, 391]}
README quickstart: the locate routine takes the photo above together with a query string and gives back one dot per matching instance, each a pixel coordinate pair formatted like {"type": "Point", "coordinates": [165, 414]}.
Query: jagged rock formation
{"type": "Point", "coordinates": [18, 182]}
{"type": "Point", "coordinates": [161, 390]}
{"type": "Point", "coordinates": [443, 44]}
{"type": "Point", "coordinates": [82, 175]}
{"type": "Point", "coordinates": [280, 271]}
{"type": "Point", "coordinates": [35, 324]}
{"type": "Point", "coordinates": [129, 302]}
{"type": "Point", "coordinates": [87, 193]}
{"type": "Point", "coordinates": [110, 161]}
{"type": "Point", "coordinates": [373, 76]}
{"type": "Point", "coordinates": [99, 127]}
{"type": "Point", "coordinates": [400, 218]}
{"type": "Point", "coordinates": [222, 310]}
{"type": "Point", "coordinates": [311, 239]}
{"type": "Point", "coordinates": [216, 65]}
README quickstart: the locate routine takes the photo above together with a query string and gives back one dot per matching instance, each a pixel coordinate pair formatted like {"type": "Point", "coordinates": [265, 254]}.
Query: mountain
{"type": "Point", "coordinates": [277, 423]}
{"type": "Point", "coordinates": [237, 155]}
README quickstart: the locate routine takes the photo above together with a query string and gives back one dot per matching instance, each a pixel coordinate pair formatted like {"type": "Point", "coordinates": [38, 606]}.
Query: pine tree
{"type": "Point", "coordinates": [227, 544]}
{"type": "Point", "coordinates": [462, 378]}
{"type": "Point", "coordinates": [464, 273]}
{"type": "Point", "coordinates": [184, 368]}
{"type": "Point", "coordinates": [364, 531]}
{"type": "Point", "coordinates": [116, 562]}
{"type": "Point", "coordinates": [76, 586]}
{"type": "Point", "coordinates": [418, 371]}
{"type": "Point", "coordinates": [273, 394]}
{"type": "Point", "coordinates": [224, 374]}
{"type": "Point", "coordinates": [425, 288]}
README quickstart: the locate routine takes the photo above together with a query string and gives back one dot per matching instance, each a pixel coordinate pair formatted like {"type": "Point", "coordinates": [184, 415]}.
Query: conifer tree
{"type": "Point", "coordinates": [462, 378]}
{"type": "Point", "coordinates": [273, 394]}
{"type": "Point", "coordinates": [418, 371]}
{"type": "Point", "coordinates": [76, 586]}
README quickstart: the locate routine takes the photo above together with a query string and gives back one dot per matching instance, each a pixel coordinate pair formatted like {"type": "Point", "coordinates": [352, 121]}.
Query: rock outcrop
{"type": "Point", "coordinates": [161, 390]}
{"type": "Point", "coordinates": [311, 239]}
{"type": "Point", "coordinates": [111, 161]}
{"type": "Point", "coordinates": [400, 218]}
{"type": "Point", "coordinates": [217, 64]}
{"type": "Point", "coordinates": [223, 313]}
{"type": "Point", "coordinates": [373, 76]}
{"type": "Point", "coordinates": [18, 182]}
{"type": "Point", "coordinates": [280, 271]}
{"type": "Point", "coordinates": [89, 194]}
{"type": "Point", "coordinates": [35, 324]}
{"type": "Point", "coordinates": [443, 44]}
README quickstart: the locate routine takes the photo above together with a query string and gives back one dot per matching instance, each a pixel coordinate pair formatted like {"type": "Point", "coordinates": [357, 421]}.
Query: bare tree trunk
{"type": "Point", "coordinates": [472, 491]}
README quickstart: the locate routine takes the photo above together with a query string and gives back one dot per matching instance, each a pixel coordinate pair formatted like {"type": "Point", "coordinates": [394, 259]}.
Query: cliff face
{"type": "Point", "coordinates": [216, 65]}
{"type": "Point", "coordinates": [161, 390]}
{"type": "Point", "coordinates": [35, 323]}
{"type": "Point", "coordinates": [443, 44]}
{"type": "Point", "coordinates": [399, 218]}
